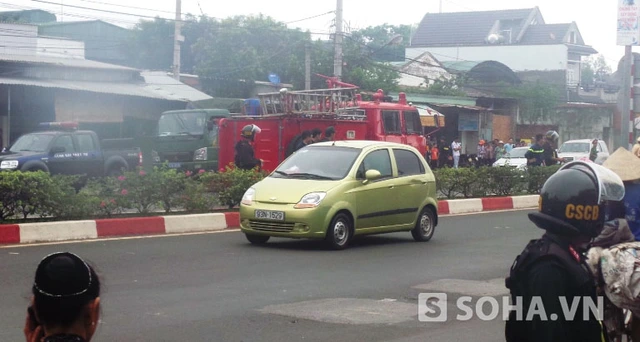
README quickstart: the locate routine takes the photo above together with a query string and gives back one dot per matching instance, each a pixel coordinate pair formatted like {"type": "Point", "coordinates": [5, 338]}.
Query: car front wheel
{"type": "Point", "coordinates": [257, 239]}
{"type": "Point", "coordinates": [425, 227]}
{"type": "Point", "coordinates": [339, 232]}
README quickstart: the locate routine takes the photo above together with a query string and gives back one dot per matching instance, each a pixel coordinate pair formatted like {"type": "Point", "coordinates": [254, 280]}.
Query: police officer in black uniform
{"type": "Point", "coordinates": [245, 157]}
{"type": "Point", "coordinates": [572, 212]}
{"type": "Point", "coordinates": [535, 154]}
{"type": "Point", "coordinates": [550, 155]}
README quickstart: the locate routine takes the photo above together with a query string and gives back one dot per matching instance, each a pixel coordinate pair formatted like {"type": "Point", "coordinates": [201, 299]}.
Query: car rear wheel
{"type": "Point", "coordinates": [257, 239]}
{"type": "Point", "coordinates": [339, 232]}
{"type": "Point", "coordinates": [424, 229]}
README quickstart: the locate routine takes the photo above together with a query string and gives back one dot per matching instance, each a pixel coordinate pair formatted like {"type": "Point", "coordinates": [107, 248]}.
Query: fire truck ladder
{"type": "Point", "coordinates": [335, 101]}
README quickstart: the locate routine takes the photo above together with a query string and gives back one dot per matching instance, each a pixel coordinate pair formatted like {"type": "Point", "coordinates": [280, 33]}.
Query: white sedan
{"type": "Point", "coordinates": [514, 159]}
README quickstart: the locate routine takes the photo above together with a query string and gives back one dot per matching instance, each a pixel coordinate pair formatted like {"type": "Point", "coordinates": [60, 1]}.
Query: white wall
{"type": "Point", "coordinates": [17, 39]}
{"type": "Point", "coordinates": [53, 47]}
{"type": "Point", "coordinates": [516, 57]}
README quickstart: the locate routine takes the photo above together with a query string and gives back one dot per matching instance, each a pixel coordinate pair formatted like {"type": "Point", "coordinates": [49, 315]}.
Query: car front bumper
{"type": "Point", "coordinates": [298, 223]}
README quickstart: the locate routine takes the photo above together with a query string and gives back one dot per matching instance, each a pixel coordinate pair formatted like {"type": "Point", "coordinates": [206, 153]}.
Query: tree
{"type": "Point", "coordinates": [595, 70]}
{"type": "Point", "coordinates": [537, 100]}
{"type": "Point", "coordinates": [230, 54]}
{"type": "Point", "coordinates": [378, 41]}
{"type": "Point", "coordinates": [246, 49]}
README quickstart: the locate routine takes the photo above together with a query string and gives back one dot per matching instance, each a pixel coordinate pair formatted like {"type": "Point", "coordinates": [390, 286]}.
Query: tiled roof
{"type": "Point", "coordinates": [546, 34]}
{"type": "Point", "coordinates": [464, 28]}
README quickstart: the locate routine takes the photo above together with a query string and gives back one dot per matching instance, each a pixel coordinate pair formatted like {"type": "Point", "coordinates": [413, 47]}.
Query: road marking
{"type": "Point", "coordinates": [118, 239]}
{"type": "Point", "coordinates": [351, 311]}
{"type": "Point", "coordinates": [203, 233]}
{"type": "Point", "coordinates": [493, 287]}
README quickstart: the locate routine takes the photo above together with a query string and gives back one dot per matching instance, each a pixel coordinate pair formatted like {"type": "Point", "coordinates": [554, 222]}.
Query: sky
{"type": "Point", "coordinates": [596, 21]}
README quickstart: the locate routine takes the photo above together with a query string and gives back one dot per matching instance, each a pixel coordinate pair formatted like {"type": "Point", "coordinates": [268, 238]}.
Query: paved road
{"type": "Point", "coordinates": [217, 287]}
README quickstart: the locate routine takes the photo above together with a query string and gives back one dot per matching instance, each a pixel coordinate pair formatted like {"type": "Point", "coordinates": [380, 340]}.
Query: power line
{"type": "Point", "coordinates": [308, 18]}
{"type": "Point", "coordinates": [101, 10]}
{"type": "Point", "coordinates": [125, 6]}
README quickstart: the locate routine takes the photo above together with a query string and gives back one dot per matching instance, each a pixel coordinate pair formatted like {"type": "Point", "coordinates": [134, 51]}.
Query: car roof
{"type": "Point", "coordinates": [359, 144]}
{"type": "Point", "coordinates": [581, 141]}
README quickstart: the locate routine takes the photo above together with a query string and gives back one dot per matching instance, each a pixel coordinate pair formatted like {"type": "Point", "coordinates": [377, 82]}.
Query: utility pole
{"type": "Point", "coordinates": [626, 128]}
{"type": "Point", "coordinates": [307, 67]}
{"type": "Point", "coordinates": [337, 59]}
{"type": "Point", "coordinates": [176, 41]}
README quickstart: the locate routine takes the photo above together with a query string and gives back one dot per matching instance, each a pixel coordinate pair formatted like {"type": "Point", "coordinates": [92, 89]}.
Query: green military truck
{"type": "Point", "coordinates": [188, 139]}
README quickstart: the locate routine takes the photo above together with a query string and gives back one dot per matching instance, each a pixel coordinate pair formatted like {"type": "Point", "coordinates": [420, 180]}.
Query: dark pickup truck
{"type": "Point", "coordinates": [72, 153]}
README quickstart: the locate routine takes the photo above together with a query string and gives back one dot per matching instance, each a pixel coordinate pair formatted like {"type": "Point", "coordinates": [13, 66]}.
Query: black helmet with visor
{"type": "Point", "coordinates": [573, 201]}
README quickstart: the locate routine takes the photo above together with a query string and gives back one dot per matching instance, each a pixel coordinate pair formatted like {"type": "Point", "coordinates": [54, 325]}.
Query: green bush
{"type": "Point", "coordinates": [66, 202]}
{"type": "Point", "coordinates": [504, 181]}
{"type": "Point", "coordinates": [490, 181]}
{"type": "Point", "coordinates": [37, 194]}
{"type": "Point", "coordinates": [108, 194]}
{"type": "Point", "coordinates": [196, 197]}
{"type": "Point", "coordinates": [231, 183]}
{"type": "Point", "coordinates": [537, 176]}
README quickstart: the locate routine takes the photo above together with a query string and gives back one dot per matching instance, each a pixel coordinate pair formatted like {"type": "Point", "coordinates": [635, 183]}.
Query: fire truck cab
{"type": "Point", "coordinates": [284, 115]}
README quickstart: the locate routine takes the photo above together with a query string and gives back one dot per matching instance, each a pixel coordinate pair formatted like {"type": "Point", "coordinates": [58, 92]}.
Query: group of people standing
{"type": "Point", "coordinates": [443, 154]}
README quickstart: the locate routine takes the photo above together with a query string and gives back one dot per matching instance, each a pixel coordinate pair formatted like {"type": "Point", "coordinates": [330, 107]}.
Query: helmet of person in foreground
{"type": "Point", "coordinates": [573, 201]}
{"type": "Point", "coordinates": [250, 131]}
{"type": "Point", "coordinates": [552, 136]}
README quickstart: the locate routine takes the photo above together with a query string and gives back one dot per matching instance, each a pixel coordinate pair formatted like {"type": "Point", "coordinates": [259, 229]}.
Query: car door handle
{"type": "Point", "coordinates": [391, 186]}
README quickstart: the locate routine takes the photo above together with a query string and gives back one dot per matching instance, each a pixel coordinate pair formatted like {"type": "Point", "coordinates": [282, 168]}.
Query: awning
{"type": "Point", "coordinates": [160, 88]}
{"type": "Point", "coordinates": [430, 117]}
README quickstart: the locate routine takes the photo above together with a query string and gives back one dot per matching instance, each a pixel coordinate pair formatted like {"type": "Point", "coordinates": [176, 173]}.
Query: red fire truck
{"type": "Point", "coordinates": [284, 115]}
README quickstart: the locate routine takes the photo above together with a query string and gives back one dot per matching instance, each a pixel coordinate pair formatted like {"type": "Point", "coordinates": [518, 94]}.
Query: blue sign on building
{"type": "Point", "coordinates": [468, 122]}
{"type": "Point", "coordinates": [273, 78]}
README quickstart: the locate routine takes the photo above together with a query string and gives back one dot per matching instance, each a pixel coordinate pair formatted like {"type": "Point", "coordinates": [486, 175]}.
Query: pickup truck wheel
{"type": "Point", "coordinates": [115, 171]}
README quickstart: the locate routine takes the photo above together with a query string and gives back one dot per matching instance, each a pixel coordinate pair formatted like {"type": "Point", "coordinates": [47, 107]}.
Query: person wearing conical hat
{"type": "Point", "coordinates": [636, 148]}
{"type": "Point", "coordinates": [627, 166]}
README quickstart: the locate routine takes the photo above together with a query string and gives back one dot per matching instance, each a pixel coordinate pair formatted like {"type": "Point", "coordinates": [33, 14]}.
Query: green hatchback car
{"type": "Point", "coordinates": [337, 190]}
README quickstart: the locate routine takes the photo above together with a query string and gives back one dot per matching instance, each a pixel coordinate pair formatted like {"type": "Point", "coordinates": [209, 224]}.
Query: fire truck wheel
{"type": "Point", "coordinates": [339, 232]}
{"type": "Point", "coordinates": [424, 228]}
{"type": "Point", "coordinates": [257, 239]}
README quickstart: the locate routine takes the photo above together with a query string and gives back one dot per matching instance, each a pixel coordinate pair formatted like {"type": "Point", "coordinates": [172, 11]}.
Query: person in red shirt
{"type": "Point", "coordinates": [435, 156]}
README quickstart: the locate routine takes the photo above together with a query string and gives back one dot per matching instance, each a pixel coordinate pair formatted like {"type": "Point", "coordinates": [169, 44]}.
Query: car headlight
{"type": "Point", "coordinates": [311, 200]}
{"type": "Point", "coordinates": [247, 198]}
{"type": "Point", "coordinates": [9, 164]}
{"type": "Point", "coordinates": [155, 156]}
{"type": "Point", "coordinates": [200, 154]}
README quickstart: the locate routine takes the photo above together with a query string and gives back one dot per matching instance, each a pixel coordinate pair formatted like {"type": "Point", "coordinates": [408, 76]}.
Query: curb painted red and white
{"type": "Point", "coordinates": [25, 233]}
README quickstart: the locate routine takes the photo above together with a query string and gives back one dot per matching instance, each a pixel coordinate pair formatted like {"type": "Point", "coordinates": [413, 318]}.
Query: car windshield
{"type": "Point", "coordinates": [182, 124]}
{"type": "Point", "coordinates": [575, 147]}
{"type": "Point", "coordinates": [324, 163]}
{"type": "Point", "coordinates": [517, 153]}
{"type": "Point", "coordinates": [32, 143]}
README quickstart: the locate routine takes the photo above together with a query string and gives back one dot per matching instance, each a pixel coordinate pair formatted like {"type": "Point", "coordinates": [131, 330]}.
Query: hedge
{"type": "Point", "coordinates": [26, 195]}
{"type": "Point", "coordinates": [37, 194]}
{"type": "Point", "coordinates": [491, 181]}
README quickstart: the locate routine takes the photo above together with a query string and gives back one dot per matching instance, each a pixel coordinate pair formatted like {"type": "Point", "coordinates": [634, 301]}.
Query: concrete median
{"type": "Point", "coordinates": [176, 224]}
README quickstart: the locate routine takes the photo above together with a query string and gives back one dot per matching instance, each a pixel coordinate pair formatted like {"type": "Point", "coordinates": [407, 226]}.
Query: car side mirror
{"type": "Point", "coordinates": [57, 149]}
{"type": "Point", "coordinates": [371, 175]}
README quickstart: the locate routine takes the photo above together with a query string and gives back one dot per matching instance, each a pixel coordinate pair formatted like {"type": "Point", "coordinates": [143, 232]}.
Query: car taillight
{"type": "Point", "coordinates": [140, 158]}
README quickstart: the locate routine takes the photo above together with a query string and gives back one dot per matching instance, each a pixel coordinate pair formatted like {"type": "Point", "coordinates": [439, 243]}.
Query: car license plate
{"type": "Point", "coordinates": [270, 215]}
{"type": "Point", "coordinates": [174, 165]}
